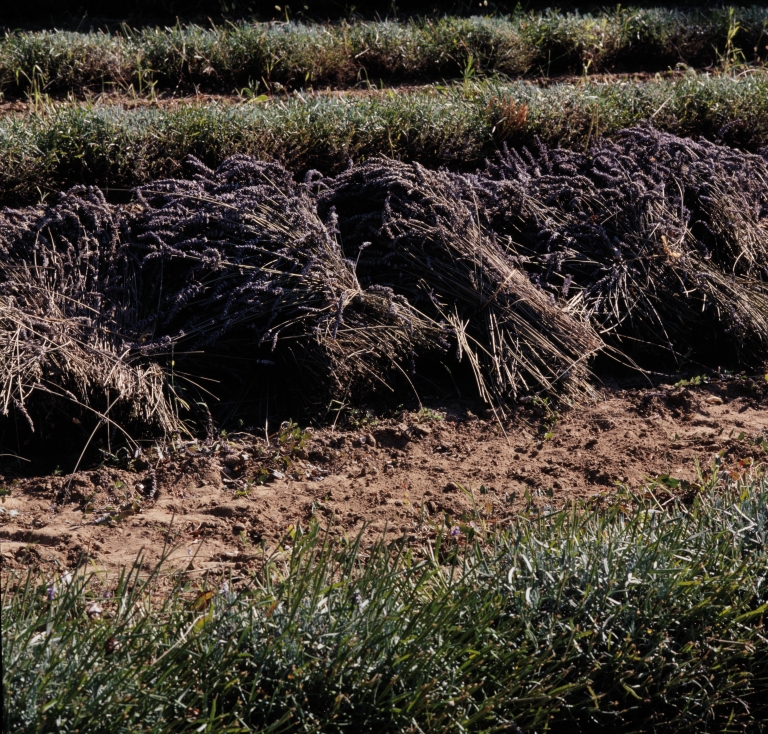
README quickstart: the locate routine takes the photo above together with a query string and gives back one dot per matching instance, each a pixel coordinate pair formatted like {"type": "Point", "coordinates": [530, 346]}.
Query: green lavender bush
{"type": "Point", "coordinates": [456, 126]}
{"type": "Point", "coordinates": [299, 56]}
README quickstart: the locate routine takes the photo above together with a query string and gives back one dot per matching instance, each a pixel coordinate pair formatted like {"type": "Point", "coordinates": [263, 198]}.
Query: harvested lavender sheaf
{"type": "Point", "coordinates": [655, 240]}
{"type": "Point", "coordinates": [416, 232]}
{"type": "Point", "coordinates": [239, 257]}
{"type": "Point", "coordinates": [651, 245]}
{"type": "Point", "coordinates": [66, 298]}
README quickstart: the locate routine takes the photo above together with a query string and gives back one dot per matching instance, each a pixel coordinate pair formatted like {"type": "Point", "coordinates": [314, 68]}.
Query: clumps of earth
{"type": "Point", "coordinates": [227, 505]}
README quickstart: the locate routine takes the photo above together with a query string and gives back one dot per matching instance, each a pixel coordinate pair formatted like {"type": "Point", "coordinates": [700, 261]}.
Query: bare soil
{"type": "Point", "coordinates": [227, 505]}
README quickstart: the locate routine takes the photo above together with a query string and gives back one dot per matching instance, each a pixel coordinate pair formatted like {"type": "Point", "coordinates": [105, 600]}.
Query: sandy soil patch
{"type": "Point", "coordinates": [226, 506]}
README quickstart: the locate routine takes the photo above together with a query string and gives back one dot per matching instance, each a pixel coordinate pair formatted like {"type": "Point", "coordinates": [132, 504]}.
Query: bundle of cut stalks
{"type": "Point", "coordinates": [238, 258]}
{"type": "Point", "coordinates": [63, 306]}
{"type": "Point", "coordinates": [654, 239]}
{"type": "Point", "coordinates": [417, 232]}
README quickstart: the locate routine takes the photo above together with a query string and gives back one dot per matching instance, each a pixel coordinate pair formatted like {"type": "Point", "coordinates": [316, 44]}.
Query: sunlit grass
{"type": "Point", "coordinates": [457, 126]}
{"type": "Point", "coordinates": [266, 57]}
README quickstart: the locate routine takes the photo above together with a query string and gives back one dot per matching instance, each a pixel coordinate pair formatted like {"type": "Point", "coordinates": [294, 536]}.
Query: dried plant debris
{"type": "Point", "coordinates": [651, 246]}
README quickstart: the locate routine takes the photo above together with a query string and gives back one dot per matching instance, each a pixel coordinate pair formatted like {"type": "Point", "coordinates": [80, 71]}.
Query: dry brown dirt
{"type": "Point", "coordinates": [224, 506]}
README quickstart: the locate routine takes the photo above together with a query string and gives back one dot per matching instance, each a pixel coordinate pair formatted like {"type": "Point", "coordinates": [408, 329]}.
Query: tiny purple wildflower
{"type": "Point", "coordinates": [357, 598]}
{"type": "Point", "coordinates": [455, 531]}
{"type": "Point", "coordinates": [51, 592]}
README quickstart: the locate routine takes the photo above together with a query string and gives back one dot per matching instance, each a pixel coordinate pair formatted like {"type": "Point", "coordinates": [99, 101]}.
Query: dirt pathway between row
{"type": "Point", "coordinates": [224, 506]}
{"type": "Point", "coordinates": [171, 101]}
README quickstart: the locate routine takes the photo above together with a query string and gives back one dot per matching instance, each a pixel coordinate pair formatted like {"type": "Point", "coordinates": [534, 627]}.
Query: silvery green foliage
{"type": "Point", "coordinates": [624, 619]}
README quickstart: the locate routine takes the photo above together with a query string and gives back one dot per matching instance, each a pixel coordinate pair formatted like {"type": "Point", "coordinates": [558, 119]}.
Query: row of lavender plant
{"type": "Point", "coordinates": [652, 246]}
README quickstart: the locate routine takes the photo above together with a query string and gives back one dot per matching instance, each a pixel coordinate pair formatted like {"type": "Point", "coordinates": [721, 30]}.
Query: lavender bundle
{"type": "Point", "coordinates": [654, 239]}
{"type": "Point", "coordinates": [63, 307]}
{"type": "Point", "coordinates": [417, 233]}
{"type": "Point", "coordinates": [238, 258]}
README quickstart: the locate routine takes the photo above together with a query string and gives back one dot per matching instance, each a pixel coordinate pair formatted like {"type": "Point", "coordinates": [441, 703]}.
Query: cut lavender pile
{"type": "Point", "coordinates": [652, 246]}
{"type": "Point", "coordinates": [238, 259]}
{"type": "Point", "coordinates": [67, 296]}
{"type": "Point", "coordinates": [417, 233]}
{"type": "Point", "coordinates": [658, 241]}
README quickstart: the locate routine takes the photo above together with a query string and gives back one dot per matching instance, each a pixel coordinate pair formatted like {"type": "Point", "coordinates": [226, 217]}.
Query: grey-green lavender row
{"type": "Point", "coordinates": [631, 619]}
{"type": "Point", "coordinates": [457, 126]}
{"type": "Point", "coordinates": [269, 56]}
